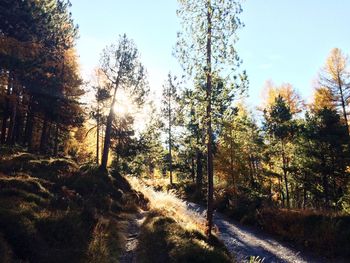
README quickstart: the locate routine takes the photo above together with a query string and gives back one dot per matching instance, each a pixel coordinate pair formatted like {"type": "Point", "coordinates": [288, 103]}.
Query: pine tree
{"type": "Point", "coordinates": [169, 109]}
{"type": "Point", "coordinates": [205, 47]}
{"type": "Point", "coordinates": [121, 66]}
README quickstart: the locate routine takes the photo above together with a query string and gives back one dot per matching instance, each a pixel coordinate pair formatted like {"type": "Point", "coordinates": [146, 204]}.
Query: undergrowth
{"type": "Point", "coordinates": [325, 233]}
{"type": "Point", "coordinates": [52, 210]}
{"type": "Point", "coordinates": [163, 239]}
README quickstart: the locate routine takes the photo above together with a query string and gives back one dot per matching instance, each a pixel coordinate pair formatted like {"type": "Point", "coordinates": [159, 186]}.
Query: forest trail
{"type": "Point", "coordinates": [245, 242]}
{"type": "Point", "coordinates": [133, 231]}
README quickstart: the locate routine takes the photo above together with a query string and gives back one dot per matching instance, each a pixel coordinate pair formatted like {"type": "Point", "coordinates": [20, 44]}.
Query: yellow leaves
{"type": "Point", "coordinates": [323, 98]}
{"type": "Point", "coordinates": [287, 92]}
{"type": "Point", "coordinates": [336, 63]}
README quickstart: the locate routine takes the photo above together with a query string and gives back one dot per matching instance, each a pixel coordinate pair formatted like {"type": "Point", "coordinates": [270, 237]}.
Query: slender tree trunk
{"type": "Point", "coordinates": [284, 168]}
{"type": "Point", "coordinates": [170, 142]}
{"type": "Point", "coordinates": [210, 168]}
{"type": "Point", "coordinates": [19, 128]}
{"type": "Point", "coordinates": [304, 192]}
{"type": "Point", "coordinates": [57, 132]}
{"type": "Point", "coordinates": [98, 134]}
{"type": "Point", "coordinates": [43, 136]}
{"type": "Point", "coordinates": [11, 129]}
{"type": "Point", "coordinates": [343, 105]}
{"type": "Point", "coordinates": [6, 111]}
{"type": "Point", "coordinates": [199, 170]}
{"type": "Point", "coordinates": [193, 176]}
{"type": "Point", "coordinates": [3, 129]}
{"type": "Point", "coordinates": [281, 190]}
{"type": "Point", "coordinates": [28, 132]}
{"type": "Point", "coordinates": [251, 172]}
{"type": "Point", "coordinates": [13, 115]}
{"type": "Point", "coordinates": [107, 140]}
{"type": "Point", "coordinates": [234, 183]}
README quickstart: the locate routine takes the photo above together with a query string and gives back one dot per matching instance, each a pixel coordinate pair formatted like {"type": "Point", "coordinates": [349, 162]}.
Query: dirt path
{"type": "Point", "coordinates": [129, 253]}
{"type": "Point", "coordinates": [245, 242]}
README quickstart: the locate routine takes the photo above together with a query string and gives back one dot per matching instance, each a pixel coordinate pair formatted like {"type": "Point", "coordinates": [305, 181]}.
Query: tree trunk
{"type": "Point", "coordinates": [193, 176]}
{"type": "Point", "coordinates": [107, 140]}
{"type": "Point", "coordinates": [232, 162]}
{"type": "Point", "coordinates": [210, 168]}
{"type": "Point", "coordinates": [43, 136]}
{"type": "Point", "coordinates": [281, 190]}
{"type": "Point", "coordinates": [11, 130]}
{"type": "Point", "coordinates": [284, 168]}
{"type": "Point", "coordinates": [98, 134]}
{"type": "Point", "coordinates": [28, 130]}
{"type": "Point", "coordinates": [6, 111]}
{"type": "Point", "coordinates": [13, 106]}
{"type": "Point", "coordinates": [57, 132]}
{"type": "Point", "coordinates": [3, 129]}
{"type": "Point", "coordinates": [19, 128]}
{"type": "Point", "coordinates": [343, 105]}
{"type": "Point", "coordinates": [199, 171]}
{"type": "Point", "coordinates": [170, 145]}
{"type": "Point", "coordinates": [304, 192]}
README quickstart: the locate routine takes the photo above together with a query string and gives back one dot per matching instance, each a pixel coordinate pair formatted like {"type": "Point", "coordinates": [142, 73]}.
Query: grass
{"type": "Point", "coordinates": [162, 239]}
{"type": "Point", "coordinates": [52, 210]}
{"type": "Point", "coordinates": [173, 233]}
{"type": "Point", "coordinates": [171, 205]}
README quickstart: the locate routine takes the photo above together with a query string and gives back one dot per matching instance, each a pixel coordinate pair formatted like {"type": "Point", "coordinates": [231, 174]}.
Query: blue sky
{"type": "Point", "coordinates": [283, 40]}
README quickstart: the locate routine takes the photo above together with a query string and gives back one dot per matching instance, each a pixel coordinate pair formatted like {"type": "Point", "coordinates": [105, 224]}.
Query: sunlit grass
{"type": "Point", "coordinates": [170, 205]}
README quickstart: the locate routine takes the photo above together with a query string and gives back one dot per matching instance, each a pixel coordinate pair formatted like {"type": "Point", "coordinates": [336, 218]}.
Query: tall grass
{"type": "Point", "coordinates": [170, 205]}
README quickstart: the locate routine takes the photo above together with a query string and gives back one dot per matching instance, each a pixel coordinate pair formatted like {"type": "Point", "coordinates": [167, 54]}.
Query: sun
{"type": "Point", "coordinates": [123, 104]}
{"type": "Point", "coordinates": [120, 109]}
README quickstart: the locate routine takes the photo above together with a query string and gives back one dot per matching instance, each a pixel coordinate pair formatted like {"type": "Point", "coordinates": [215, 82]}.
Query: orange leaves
{"type": "Point", "coordinates": [23, 51]}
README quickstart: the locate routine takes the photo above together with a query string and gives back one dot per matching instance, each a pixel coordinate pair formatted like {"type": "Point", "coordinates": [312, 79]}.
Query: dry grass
{"type": "Point", "coordinates": [170, 205]}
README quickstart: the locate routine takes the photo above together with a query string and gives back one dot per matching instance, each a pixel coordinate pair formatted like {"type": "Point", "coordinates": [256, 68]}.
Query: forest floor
{"type": "Point", "coordinates": [248, 243]}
